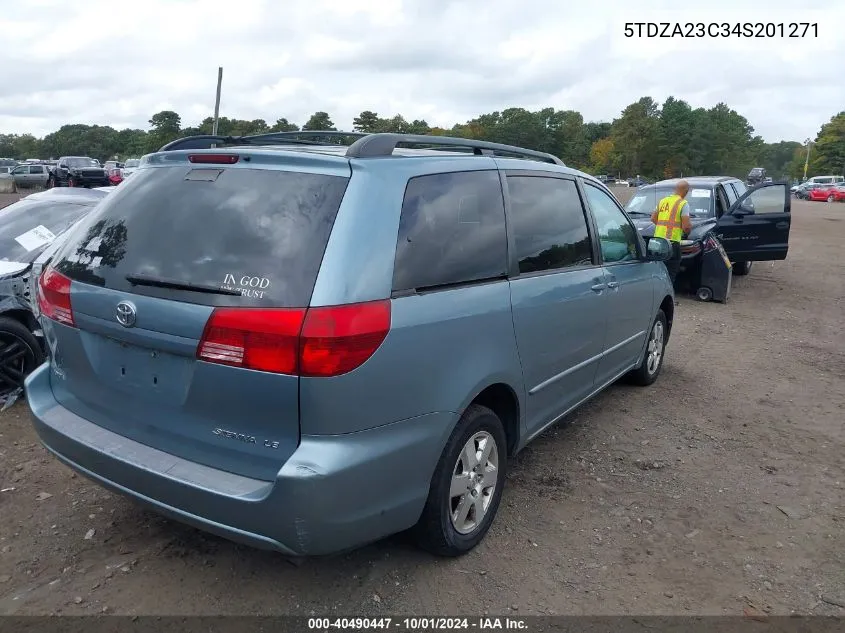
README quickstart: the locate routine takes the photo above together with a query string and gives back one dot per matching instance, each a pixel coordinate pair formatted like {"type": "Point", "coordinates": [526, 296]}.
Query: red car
{"type": "Point", "coordinates": [115, 176]}
{"type": "Point", "coordinates": [836, 193]}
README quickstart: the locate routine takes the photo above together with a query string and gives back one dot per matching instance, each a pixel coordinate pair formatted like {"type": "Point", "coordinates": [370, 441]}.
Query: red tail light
{"type": "Point", "coordinates": [336, 340]}
{"type": "Point", "coordinates": [327, 341]}
{"type": "Point", "coordinates": [54, 296]}
{"type": "Point", "coordinates": [266, 340]}
{"type": "Point", "coordinates": [214, 159]}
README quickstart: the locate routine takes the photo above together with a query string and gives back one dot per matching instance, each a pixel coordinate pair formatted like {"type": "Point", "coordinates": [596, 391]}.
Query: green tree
{"type": "Point", "coordinates": [602, 155]}
{"type": "Point", "coordinates": [731, 137]}
{"type": "Point", "coordinates": [675, 138]}
{"type": "Point", "coordinates": [96, 141]}
{"type": "Point", "coordinates": [796, 165]}
{"type": "Point", "coordinates": [654, 140]}
{"type": "Point", "coordinates": [231, 127]}
{"type": "Point", "coordinates": [777, 158]}
{"type": "Point", "coordinates": [283, 125]}
{"type": "Point", "coordinates": [131, 143]}
{"type": "Point", "coordinates": [19, 146]}
{"type": "Point", "coordinates": [166, 126]}
{"type": "Point", "coordinates": [367, 121]}
{"type": "Point", "coordinates": [830, 147]}
{"type": "Point", "coordinates": [636, 137]}
{"type": "Point", "coordinates": [596, 131]}
{"type": "Point", "coordinates": [166, 122]}
{"type": "Point", "coordinates": [319, 121]}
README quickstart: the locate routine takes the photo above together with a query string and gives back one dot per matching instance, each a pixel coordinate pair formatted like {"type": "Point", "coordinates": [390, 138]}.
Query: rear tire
{"type": "Point", "coordinates": [741, 268]}
{"type": "Point", "coordinates": [461, 505]}
{"type": "Point", "coordinates": [704, 294]}
{"type": "Point", "coordinates": [655, 351]}
{"type": "Point", "coordinates": [831, 198]}
{"type": "Point", "coordinates": [20, 354]}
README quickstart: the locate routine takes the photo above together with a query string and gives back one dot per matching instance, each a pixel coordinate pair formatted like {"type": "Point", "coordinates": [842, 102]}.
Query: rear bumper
{"type": "Point", "coordinates": [334, 493]}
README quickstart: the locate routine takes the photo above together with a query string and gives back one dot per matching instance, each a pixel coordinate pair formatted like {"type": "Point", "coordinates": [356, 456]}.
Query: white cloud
{"type": "Point", "coordinates": [445, 61]}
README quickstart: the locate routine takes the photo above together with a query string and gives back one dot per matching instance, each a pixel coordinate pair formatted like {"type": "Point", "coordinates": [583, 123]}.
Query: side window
{"type": "Point", "coordinates": [730, 193]}
{"type": "Point", "coordinates": [769, 199]}
{"type": "Point", "coordinates": [722, 204]}
{"type": "Point", "coordinates": [452, 230]}
{"type": "Point", "coordinates": [617, 236]}
{"type": "Point", "coordinates": [36, 169]}
{"type": "Point", "coordinates": [740, 188]}
{"type": "Point", "coordinates": [549, 225]}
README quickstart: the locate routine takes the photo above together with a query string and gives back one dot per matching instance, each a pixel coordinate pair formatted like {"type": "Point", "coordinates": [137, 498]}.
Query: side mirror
{"type": "Point", "coordinates": [62, 166]}
{"type": "Point", "coordinates": [744, 209]}
{"type": "Point", "coordinates": [658, 249]}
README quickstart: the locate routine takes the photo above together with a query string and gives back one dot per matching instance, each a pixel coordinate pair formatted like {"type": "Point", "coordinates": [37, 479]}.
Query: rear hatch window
{"type": "Point", "coordinates": [203, 234]}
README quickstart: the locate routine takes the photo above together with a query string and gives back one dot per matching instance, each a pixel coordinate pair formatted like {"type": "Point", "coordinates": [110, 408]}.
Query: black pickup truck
{"type": "Point", "coordinates": [79, 171]}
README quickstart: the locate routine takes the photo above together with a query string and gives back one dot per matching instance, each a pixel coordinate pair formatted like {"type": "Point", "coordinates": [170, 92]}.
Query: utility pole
{"type": "Point", "coordinates": [807, 159]}
{"type": "Point", "coordinates": [217, 100]}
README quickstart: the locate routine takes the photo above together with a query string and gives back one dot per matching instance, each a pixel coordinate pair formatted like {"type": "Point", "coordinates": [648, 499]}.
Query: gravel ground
{"type": "Point", "coordinates": [717, 491]}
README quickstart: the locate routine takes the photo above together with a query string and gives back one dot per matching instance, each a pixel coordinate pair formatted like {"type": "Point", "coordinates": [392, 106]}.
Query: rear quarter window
{"type": "Point", "coordinates": [260, 233]}
{"type": "Point", "coordinates": [451, 231]}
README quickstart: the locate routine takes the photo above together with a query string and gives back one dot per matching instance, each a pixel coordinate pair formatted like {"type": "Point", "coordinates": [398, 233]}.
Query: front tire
{"type": "Point", "coordinates": [467, 485]}
{"type": "Point", "coordinates": [741, 268]}
{"type": "Point", "coordinates": [655, 349]}
{"type": "Point", "coordinates": [831, 198]}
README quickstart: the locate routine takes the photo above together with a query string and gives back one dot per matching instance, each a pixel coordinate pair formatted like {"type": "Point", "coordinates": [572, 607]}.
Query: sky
{"type": "Point", "coordinates": [446, 61]}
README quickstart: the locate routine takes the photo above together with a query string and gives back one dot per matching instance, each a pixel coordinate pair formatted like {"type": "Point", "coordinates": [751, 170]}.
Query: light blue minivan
{"type": "Point", "coordinates": [307, 346]}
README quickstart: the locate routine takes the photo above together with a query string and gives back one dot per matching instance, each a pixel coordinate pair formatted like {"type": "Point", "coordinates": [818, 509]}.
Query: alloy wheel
{"type": "Point", "coordinates": [474, 481]}
{"type": "Point", "coordinates": [654, 351]}
{"type": "Point", "coordinates": [16, 360]}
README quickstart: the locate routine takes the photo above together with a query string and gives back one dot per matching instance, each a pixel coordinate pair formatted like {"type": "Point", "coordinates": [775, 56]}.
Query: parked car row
{"type": "Point", "coordinates": [637, 181]}
{"type": "Point", "coordinates": [67, 171]}
{"type": "Point", "coordinates": [820, 188]}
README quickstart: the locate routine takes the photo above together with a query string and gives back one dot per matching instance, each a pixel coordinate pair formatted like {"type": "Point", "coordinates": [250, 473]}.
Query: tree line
{"type": "Point", "coordinates": [648, 139]}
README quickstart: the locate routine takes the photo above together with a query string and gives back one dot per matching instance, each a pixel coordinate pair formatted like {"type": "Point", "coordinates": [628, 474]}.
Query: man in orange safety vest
{"type": "Point", "coordinates": [672, 221]}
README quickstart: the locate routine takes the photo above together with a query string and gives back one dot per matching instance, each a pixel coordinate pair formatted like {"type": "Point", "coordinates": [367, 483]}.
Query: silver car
{"type": "Point", "coordinates": [31, 175]}
{"type": "Point", "coordinates": [130, 166]}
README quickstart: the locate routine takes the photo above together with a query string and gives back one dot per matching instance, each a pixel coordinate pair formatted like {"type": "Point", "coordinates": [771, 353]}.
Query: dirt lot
{"type": "Point", "coordinates": [719, 490]}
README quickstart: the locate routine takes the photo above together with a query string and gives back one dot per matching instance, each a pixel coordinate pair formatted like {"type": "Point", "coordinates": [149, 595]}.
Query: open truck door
{"type": "Point", "coordinates": [756, 226]}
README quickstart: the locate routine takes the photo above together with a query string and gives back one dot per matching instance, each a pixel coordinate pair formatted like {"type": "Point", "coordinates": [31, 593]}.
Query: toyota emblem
{"type": "Point", "coordinates": [126, 314]}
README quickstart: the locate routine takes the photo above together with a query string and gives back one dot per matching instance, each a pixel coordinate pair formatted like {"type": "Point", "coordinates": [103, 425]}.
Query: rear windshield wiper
{"type": "Point", "coordinates": [160, 282]}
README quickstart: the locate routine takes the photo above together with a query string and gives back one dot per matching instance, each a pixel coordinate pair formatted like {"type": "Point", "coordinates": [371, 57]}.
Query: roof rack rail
{"type": "Point", "coordinates": [383, 144]}
{"type": "Point", "coordinates": [207, 141]}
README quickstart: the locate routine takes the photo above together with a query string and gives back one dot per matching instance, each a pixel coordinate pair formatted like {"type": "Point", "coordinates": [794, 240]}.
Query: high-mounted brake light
{"type": "Point", "coordinates": [214, 159]}
{"type": "Point", "coordinates": [319, 342]}
{"type": "Point", "coordinates": [54, 296]}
